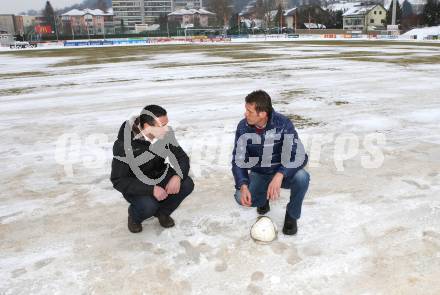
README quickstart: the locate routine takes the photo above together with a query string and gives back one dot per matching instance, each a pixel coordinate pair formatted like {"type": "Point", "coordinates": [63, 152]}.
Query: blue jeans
{"type": "Point", "coordinates": [298, 185]}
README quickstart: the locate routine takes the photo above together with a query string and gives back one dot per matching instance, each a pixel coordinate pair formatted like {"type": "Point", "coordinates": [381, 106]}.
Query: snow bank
{"type": "Point", "coordinates": [423, 33]}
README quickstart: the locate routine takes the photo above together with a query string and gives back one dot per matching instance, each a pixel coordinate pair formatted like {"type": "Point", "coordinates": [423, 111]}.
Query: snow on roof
{"type": "Point", "coordinates": [204, 11]}
{"type": "Point", "coordinates": [247, 22]}
{"type": "Point", "coordinates": [290, 11]}
{"type": "Point", "coordinates": [96, 12]}
{"type": "Point", "coordinates": [314, 26]}
{"type": "Point", "coordinates": [73, 12]}
{"type": "Point", "coordinates": [249, 8]}
{"type": "Point", "coordinates": [359, 9]}
{"type": "Point", "coordinates": [422, 33]}
{"type": "Point", "coordinates": [272, 13]}
{"type": "Point", "coordinates": [387, 3]}
{"type": "Point", "coordinates": [342, 6]}
{"type": "Point", "coordinates": [191, 12]}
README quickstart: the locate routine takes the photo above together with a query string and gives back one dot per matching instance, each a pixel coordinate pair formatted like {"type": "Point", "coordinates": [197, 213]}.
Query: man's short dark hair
{"type": "Point", "coordinates": [262, 101]}
{"type": "Point", "coordinates": [148, 111]}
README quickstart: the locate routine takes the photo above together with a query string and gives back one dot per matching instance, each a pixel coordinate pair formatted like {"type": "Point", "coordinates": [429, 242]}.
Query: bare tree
{"type": "Point", "coordinates": [259, 9]}
{"type": "Point", "coordinates": [102, 4]}
{"type": "Point", "coordinates": [268, 7]}
{"type": "Point", "coordinates": [222, 10]}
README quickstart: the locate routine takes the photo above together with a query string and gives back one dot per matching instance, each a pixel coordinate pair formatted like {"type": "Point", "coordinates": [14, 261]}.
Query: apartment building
{"type": "Point", "coordinates": [128, 13]}
{"type": "Point", "coordinates": [87, 22]}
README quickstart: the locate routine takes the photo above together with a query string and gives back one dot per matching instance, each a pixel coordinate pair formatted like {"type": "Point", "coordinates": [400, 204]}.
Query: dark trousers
{"type": "Point", "coordinates": [145, 206]}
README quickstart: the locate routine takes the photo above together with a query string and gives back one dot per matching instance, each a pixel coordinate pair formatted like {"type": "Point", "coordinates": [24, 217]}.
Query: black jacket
{"type": "Point", "coordinates": [122, 176]}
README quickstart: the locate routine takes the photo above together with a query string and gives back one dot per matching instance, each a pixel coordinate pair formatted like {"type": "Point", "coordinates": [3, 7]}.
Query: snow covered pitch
{"type": "Point", "coordinates": [367, 112]}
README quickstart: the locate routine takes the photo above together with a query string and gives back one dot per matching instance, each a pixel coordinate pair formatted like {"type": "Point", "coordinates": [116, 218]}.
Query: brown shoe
{"type": "Point", "coordinates": [133, 226]}
{"type": "Point", "coordinates": [165, 220]}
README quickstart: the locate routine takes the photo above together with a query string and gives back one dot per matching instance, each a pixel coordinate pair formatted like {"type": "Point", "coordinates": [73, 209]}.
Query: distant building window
{"type": "Point", "coordinates": [380, 12]}
{"type": "Point", "coordinates": [375, 12]}
{"type": "Point", "coordinates": [371, 21]}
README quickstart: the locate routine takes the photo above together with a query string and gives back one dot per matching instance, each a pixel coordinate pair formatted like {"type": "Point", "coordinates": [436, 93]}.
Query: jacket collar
{"type": "Point", "coordinates": [269, 125]}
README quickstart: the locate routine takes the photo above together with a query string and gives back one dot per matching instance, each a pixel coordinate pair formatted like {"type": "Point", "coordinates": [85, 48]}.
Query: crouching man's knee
{"type": "Point", "coordinates": [187, 186]}
{"type": "Point", "coordinates": [143, 208]}
{"type": "Point", "coordinates": [301, 179]}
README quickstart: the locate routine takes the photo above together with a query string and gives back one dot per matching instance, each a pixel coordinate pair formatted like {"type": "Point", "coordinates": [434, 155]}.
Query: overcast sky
{"type": "Point", "coordinates": [17, 6]}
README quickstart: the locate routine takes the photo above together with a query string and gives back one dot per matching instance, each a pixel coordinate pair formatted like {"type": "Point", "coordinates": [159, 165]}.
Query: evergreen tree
{"type": "Point", "coordinates": [49, 15]}
{"type": "Point", "coordinates": [233, 21]}
{"type": "Point", "coordinates": [407, 10]}
{"type": "Point", "coordinates": [163, 20]}
{"type": "Point", "coordinates": [279, 17]}
{"type": "Point", "coordinates": [409, 18]}
{"type": "Point", "coordinates": [122, 27]}
{"type": "Point", "coordinates": [315, 14]}
{"type": "Point", "coordinates": [336, 20]}
{"type": "Point", "coordinates": [398, 13]}
{"type": "Point", "coordinates": [431, 13]}
{"type": "Point", "coordinates": [222, 10]}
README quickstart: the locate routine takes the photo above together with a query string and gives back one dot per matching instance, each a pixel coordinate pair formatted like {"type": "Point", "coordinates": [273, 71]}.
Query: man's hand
{"type": "Point", "coordinates": [157, 132]}
{"type": "Point", "coordinates": [274, 188]}
{"type": "Point", "coordinates": [159, 193]}
{"type": "Point", "coordinates": [245, 196]}
{"type": "Point", "coordinates": [173, 186]}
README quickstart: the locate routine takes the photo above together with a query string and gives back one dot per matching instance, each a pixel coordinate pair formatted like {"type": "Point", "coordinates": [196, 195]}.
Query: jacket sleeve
{"type": "Point", "coordinates": [182, 160]}
{"type": "Point", "coordinates": [297, 158]}
{"type": "Point", "coordinates": [241, 175]}
{"type": "Point", "coordinates": [123, 178]}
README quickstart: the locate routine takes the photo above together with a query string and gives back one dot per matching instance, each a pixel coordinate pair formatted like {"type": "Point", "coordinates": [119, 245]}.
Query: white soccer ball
{"type": "Point", "coordinates": [264, 230]}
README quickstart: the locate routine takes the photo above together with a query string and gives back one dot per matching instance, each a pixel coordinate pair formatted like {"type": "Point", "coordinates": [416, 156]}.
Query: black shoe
{"type": "Point", "coordinates": [290, 227]}
{"type": "Point", "coordinates": [133, 226]}
{"type": "Point", "coordinates": [165, 220]}
{"type": "Point", "coordinates": [264, 209]}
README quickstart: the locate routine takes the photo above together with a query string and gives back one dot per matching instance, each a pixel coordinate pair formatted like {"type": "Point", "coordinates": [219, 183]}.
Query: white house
{"type": "Point", "coordinates": [365, 18]}
{"type": "Point", "coordinates": [196, 17]}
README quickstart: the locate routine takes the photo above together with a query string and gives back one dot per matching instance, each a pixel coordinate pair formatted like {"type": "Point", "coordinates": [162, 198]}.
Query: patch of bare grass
{"type": "Point", "coordinates": [16, 91]}
{"type": "Point", "coordinates": [301, 122]}
{"type": "Point", "coordinates": [23, 75]}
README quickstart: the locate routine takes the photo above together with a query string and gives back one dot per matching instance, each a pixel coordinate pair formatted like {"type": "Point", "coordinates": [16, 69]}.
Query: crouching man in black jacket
{"type": "Point", "coordinates": [140, 170]}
